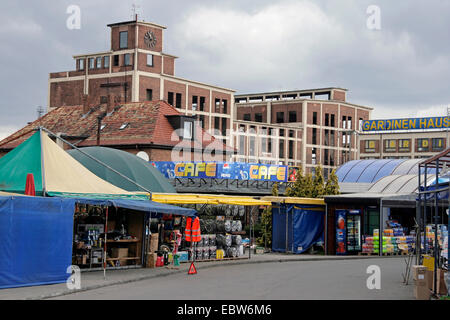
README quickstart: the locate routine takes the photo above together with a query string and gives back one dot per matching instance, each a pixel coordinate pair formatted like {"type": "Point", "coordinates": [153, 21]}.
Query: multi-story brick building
{"type": "Point", "coordinates": [136, 69]}
{"type": "Point", "coordinates": [400, 143]}
{"type": "Point", "coordinates": [304, 127]}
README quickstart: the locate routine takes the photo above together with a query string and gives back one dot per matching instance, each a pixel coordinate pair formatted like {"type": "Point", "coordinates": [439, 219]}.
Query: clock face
{"type": "Point", "coordinates": [150, 39]}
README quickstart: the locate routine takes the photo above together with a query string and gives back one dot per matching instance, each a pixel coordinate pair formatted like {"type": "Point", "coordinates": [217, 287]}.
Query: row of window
{"type": "Point", "coordinates": [96, 62]}
{"type": "Point", "coordinates": [404, 145]}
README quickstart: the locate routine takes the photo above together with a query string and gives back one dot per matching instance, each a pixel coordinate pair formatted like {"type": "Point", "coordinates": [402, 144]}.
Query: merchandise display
{"type": "Point", "coordinates": [393, 240]}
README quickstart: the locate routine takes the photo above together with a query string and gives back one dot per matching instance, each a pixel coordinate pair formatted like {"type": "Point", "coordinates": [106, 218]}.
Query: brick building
{"type": "Point", "coordinates": [137, 69]}
{"type": "Point", "coordinates": [154, 128]}
{"type": "Point", "coordinates": [402, 145]}
{"type": "Point", "coordinates": [305, 127]}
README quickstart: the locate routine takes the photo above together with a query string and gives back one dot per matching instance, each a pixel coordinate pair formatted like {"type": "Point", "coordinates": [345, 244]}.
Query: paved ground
{"type": "Point", "coordinates": [343, 279]}
{"type": "Point", "coordinates": [243, 272]}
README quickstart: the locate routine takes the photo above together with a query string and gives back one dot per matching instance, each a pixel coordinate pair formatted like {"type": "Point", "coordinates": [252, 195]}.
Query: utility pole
{"type": "Point", "coordinates": [40, 111]}
{"type": "Point", "coordinates": [448, 119]}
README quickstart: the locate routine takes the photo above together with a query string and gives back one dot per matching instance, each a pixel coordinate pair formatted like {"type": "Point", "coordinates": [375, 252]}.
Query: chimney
{"type": "Point", "coordinates": [110, 103]}
{"type": "Point", "coordinates": [85, 102]}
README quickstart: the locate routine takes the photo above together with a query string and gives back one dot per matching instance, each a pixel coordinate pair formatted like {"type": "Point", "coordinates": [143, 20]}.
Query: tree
{"type": "Point", "coordinates": [332, 185]}
{"type": "Point", "coordinates": [318, 189]}
{"type": "Point", "coordinates": [302, 186]}
{"type": "Point", "coordinates": [266, 222]}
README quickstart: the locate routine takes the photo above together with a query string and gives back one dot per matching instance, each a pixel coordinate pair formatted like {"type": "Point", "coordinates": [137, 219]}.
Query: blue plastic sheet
{"type": "Point", "coordinates": [35, 240]}
{"type": "Point", "coordinates": [304, 227]}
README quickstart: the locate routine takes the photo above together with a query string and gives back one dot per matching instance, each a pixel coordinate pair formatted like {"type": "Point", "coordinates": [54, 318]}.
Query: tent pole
{"type": "Point", "coordinates": [106, 239]}
{"type": "Point", "coordinates": [42, 165]}
{"type": "Point", "coordinates": [436, 213]}
{"type": "Point", "coordinates": [98, 161]}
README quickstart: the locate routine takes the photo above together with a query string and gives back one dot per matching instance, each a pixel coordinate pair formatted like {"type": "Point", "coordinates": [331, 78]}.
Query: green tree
{"type": "Point", "coordinates": [318, 189]}
{"type": "Point", "coordinates": [266, 222]}
{"type": "Point", "coordinates": [332, 185]}
{"type": "Point", "coordinates": [302, 187]}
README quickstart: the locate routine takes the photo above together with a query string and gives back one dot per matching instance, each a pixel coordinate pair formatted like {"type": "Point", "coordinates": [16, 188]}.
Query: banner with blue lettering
{"type": "Point", "coordinates": [406, 124]}
{"type": "Point", "coordinates": [222, 170]}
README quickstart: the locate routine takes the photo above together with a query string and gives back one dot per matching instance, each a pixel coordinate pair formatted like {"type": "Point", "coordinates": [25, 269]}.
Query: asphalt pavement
{"type": "Point", "coordinates": [316, 279]}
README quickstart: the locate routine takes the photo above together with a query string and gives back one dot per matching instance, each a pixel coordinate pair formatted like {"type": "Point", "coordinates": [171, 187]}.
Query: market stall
{"type": "Point", "coordinates": [297, 223]}
{"type": "Point", "coordinates": [223, 221]}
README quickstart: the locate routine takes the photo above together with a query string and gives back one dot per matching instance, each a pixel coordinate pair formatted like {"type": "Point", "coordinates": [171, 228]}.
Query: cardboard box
{"type": "Point", "coordinates": [151, 260]}
{"type": "Point", "coordinates": [422, 292]}
{"type": "Point", "coordinates": [154, 243]}
{"type": "Point", "coordinates": [441, 284]}
{"type": "Point", "coordinates": [120, 253]}
{"type": "Point", "coordinates": [419, 272]}
{"type": "Point", "coordinates": [429, 278]}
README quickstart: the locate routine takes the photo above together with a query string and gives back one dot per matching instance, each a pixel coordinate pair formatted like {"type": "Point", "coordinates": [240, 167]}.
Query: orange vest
{"type": "Point", "coordinates": [192, 231]}
{"type": "Point", "coordinates": [187, 231]}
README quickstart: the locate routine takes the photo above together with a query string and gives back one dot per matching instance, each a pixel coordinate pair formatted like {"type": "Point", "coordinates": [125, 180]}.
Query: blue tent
{"type": "Point", "coordinates": [36, 236]}
{"type": "Point", "coordinates": [304, 227]}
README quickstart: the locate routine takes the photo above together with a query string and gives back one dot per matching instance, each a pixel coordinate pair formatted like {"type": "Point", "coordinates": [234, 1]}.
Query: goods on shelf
{"type": "Point", "coordinates": [393, 240]}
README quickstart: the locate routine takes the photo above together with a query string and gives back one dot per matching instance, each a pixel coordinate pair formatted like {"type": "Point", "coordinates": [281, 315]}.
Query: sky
{"type": "Point", "coordinates": [393, 56]}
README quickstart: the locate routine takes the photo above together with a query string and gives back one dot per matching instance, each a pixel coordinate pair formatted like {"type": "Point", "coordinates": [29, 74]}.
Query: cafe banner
{"type": "Point", "coordinates": [222, 170]}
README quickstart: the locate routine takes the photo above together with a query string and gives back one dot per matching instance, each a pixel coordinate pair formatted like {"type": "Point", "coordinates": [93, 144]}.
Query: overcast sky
{"type": "Point", "coordinates": [401, 70]}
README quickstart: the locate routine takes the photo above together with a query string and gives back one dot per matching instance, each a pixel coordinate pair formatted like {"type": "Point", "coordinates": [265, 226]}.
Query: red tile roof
{"type": "Point", "coordinates": [147, 125]}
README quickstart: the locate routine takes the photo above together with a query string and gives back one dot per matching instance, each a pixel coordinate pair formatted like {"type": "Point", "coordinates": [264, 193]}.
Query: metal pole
{"type": "Point", "coordinates": [287, 227]}
{"type": "Point", "coordinates": [436, 213]}
{"type": "Point", "coordinates": [381, 228]}
{"type": "Point", "coordinates": [425, 249]}
{"type": "Point", "coordinates": [42, 165]}
{"type": "Point", "coordinates": [106, 240]}
{"type": "Point", "coordinates": [98, 161]}
{"type": "Point", "coordinates": [419, 220]}
{"type": "Point", "coordinates": [326, 229]}
{"type": "Point", "coordinates": [250, 231]}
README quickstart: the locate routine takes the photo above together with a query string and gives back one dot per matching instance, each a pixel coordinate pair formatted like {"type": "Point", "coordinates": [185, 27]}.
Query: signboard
{"type": "Point", "coordinates": [222, 170]}
{"type": "Point", "coordinates": [406, 124]}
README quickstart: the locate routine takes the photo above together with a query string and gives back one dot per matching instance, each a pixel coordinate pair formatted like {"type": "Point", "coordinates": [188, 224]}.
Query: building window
{"type": "Point", "coordinates": [314, 119]}
{"type": "Point", "coordinates": [280, 117]}
{"type": "Point", "coordinates": [91, 63]}
{"type": "Point", "coordinates": [292, 116]}
{"type": "Point", "coordinates": [281, 150]}
{"type": "Point", "coordinates": [194, 103]}
{"type": "Point", "coordinates": [188, 130]}
{"type": "Point", "coordinates": [202, 103]}
{"type": "Point", "coordinates": [332, 138]}
{"type": "Point", "coordinates": [422, 144]}
{"type": "Point", "coordinates": [437, 144]}
{"type": "Point", "coordinates": [332, 120]}
{"type": "Point", "coordinates": [123, 126]}
{"type": "Point", "coordinates": [217, 123]}
{"type": "Point", "coordinates": [404, 145]}
{"type": "Point", "coordinates": [178, 101]}
{"type": "Point", "coordinates": [127, 59]}
{"type": "Point", "coordinates": [149, 60]}
{"type": "Point", "coordinates": [242, 145]}
{"type": "Point", "coordinates": [116, 60]}
{"type": "Point", "coordinates": [99, 62]}
{"type": "Point", "coordinates": [327, 120]}
{"type": "Point", "coordinates": [103, 99]}
{"type": "Point", "coordinates": [224, 126]}
{"type": "Point", "coordinates": [332, 158]}
{"type": "Point", "coordinates": [258, 117]}
{"type": "Point", "coordinates": [170, 98]}
{"type": "Point", "coordinates": [327, 138]}
{"type": "Point", "coordinates": [106, 62]}
{"type": "Point", "coordinates": [291, 149]}
{"type": "Point", "coordinates": [149, 94]}
{"type": "Point", "coordinates": [369, 146]}
{"type": "Point", "coordinates": [217, 104]}
{"type": "Point", "coordinates": [291, 134]}
{"type": "Point", "coordinates": [314, 135]}
{"type": "Point", "coordinates": [225, 106]}
{"type": "Point", "coordinates": [202, 121]}
{"type": "Point", "coordinates": [390, 145]}
{"type": "Point", "coordinates": [325, 157]}
{"type": "Point", "coordinates": [247, 117]}
{"type": "Point", "coordinates": [282, 133]}
{"type": "Point", "coordinates": [123, 40]}
{"type": "Point", "coordinates": [251, 146]}
{"type": "Point", "coordinates": [349, 122]}
{"type": "Point", "coordinates": [361, 120]}
{"type": "Point", "coordinates": [81, 64]}
{"type": "Point", "coordinates": [344, 122]}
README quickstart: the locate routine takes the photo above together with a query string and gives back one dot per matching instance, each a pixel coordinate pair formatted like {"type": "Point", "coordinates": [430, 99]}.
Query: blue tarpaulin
{"type": "Point", "coordinates": [304, 227]}
{"type": "Point", "coordinates": [36, 237]}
